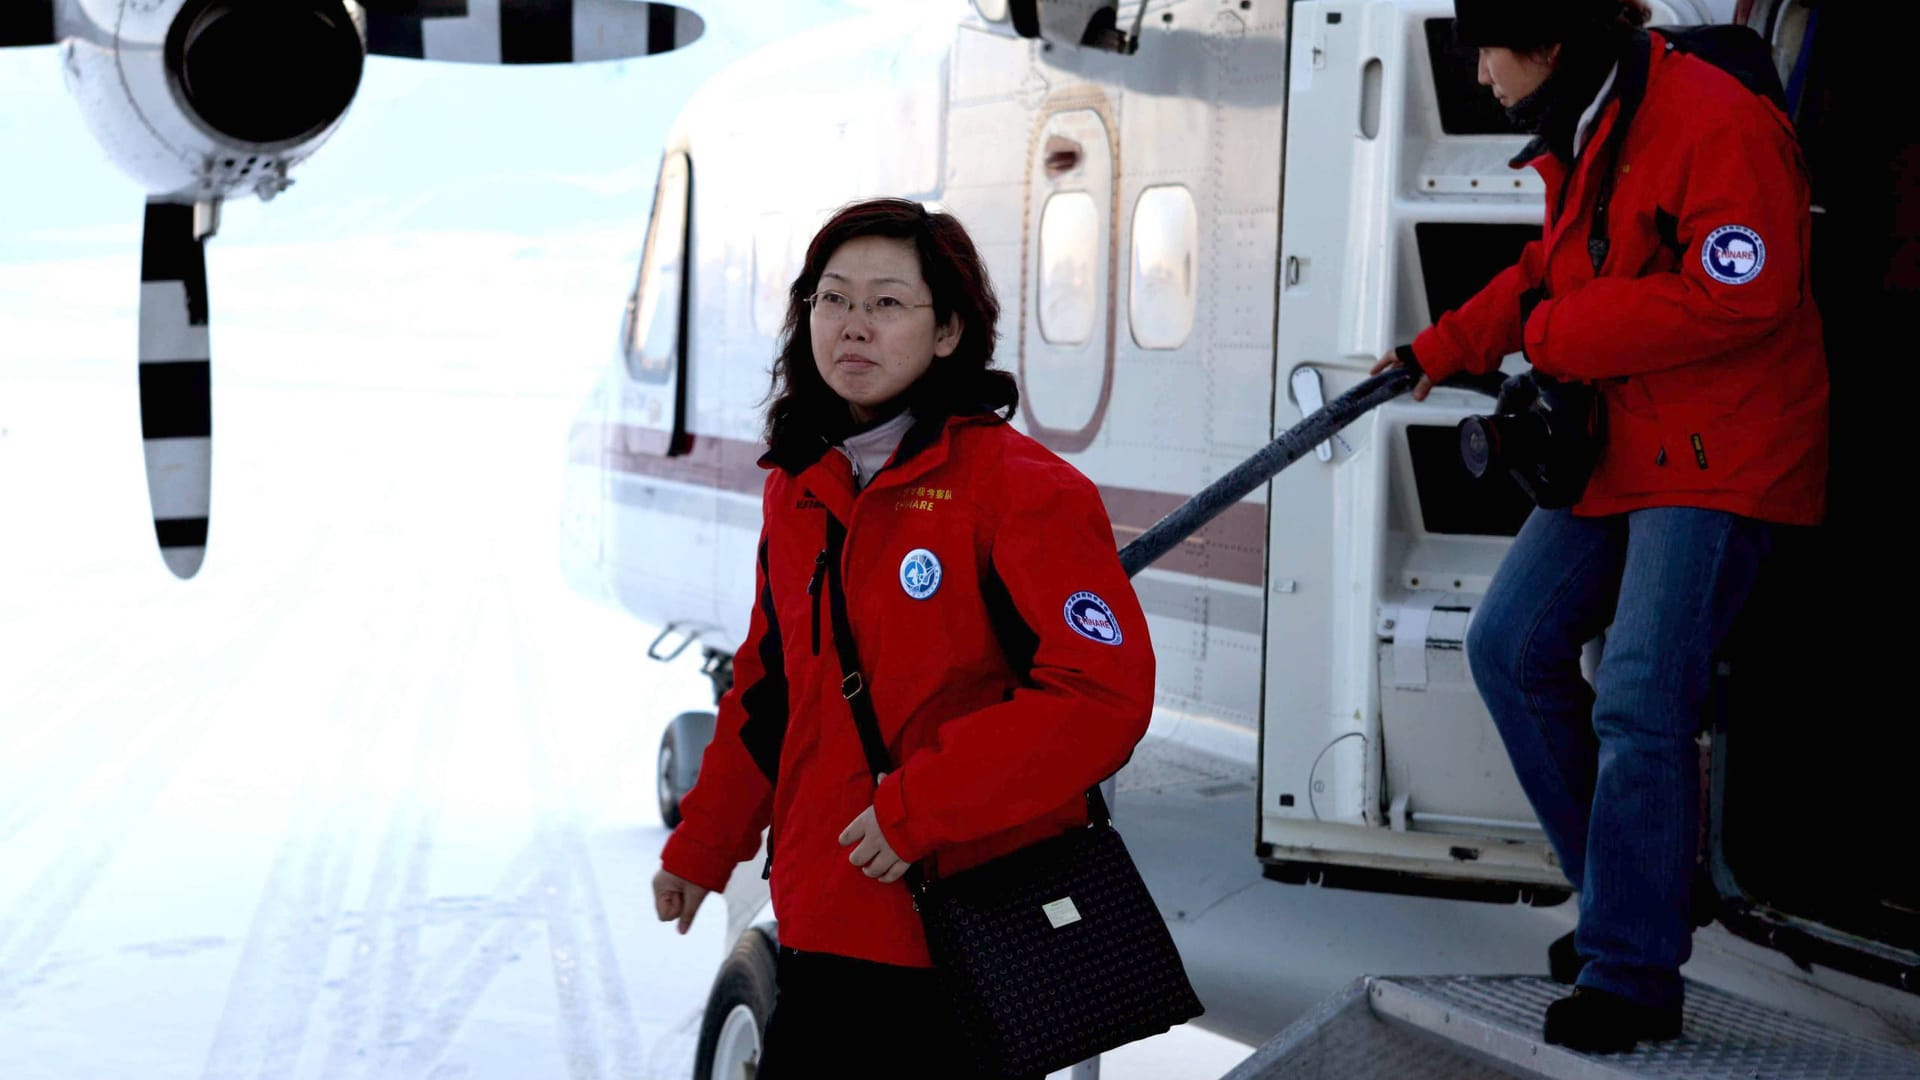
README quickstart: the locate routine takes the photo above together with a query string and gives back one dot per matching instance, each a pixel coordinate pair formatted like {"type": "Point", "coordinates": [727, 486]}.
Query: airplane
{"type": "Point", "coordinates": [202, 101]}
{"type": "Point", "coordinates": [1205, 219]}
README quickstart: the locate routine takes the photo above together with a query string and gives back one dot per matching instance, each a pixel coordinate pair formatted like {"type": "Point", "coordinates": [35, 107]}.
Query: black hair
{"type": "Point", "coordinates": [802, 409]}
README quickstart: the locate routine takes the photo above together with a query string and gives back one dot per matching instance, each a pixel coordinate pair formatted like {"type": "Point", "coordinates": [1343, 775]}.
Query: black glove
{"type": "Point", "coordinates": [1404, 353]}
{"type": "Point", "coordinates": [1528, 301]}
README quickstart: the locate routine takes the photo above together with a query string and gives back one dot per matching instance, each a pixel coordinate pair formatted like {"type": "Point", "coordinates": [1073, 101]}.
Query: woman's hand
{"type": "Point", "coordinates": [871, 852]}
{"type": "Point", "coordinates": [674, 897]}
{"type": "Point", "coordinates": [1420, 389]}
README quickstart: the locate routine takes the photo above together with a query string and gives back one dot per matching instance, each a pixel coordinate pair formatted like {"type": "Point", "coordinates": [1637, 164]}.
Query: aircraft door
{"type": "Point", "coordinates": [1380, 768]}
{"type": "Point", "coordinates": [653, 396]}
{"type": "Point", "coordinates": [1068, 262]}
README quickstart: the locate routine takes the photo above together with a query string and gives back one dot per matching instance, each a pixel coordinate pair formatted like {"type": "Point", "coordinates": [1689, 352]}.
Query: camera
{"type": "Point", "coordinates": [1546, 433]}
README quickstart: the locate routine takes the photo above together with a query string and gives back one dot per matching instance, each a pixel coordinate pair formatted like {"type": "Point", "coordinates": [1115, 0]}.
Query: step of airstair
{"type": "Point", "coordinates": [1480, 1028]}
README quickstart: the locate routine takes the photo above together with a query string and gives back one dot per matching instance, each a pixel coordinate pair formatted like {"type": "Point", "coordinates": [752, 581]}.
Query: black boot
{"type": "Point", "coordinates": [1598, 1022]}
{"type": "Point", "coordinates": [1564, 961]}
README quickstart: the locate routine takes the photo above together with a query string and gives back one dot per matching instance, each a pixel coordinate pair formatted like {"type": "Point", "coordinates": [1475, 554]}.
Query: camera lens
{"type": "Point", "coordinates": [1479, 444]}
{"type": "Point", "coordinates": [1503, 441]}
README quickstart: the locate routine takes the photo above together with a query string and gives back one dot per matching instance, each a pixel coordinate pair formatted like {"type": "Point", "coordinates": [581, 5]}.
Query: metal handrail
{"type": "Point", "coordinates": [1298, 441]}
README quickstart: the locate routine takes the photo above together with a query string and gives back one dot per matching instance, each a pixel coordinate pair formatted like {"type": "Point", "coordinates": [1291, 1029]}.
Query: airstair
{"type": "Point", "coordinates": [1484, 1028]}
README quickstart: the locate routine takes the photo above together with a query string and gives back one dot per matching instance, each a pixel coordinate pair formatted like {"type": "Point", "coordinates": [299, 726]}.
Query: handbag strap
{"type": "Point", "coordinates": [854, 688]}
{"type": "Point", "coordinates": [853, 685]}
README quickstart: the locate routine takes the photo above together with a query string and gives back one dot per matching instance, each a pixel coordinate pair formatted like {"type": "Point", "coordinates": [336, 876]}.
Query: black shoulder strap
{"type": "Point", "coordinates": [1630, 89]}
{"type": "Point", "coordinates": [1738, 50]}
{"type": "Point", "coordinates": [853, 685]}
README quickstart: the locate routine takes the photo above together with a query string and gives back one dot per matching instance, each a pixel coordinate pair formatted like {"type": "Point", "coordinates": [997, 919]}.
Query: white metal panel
{"type": "Point", "coordinates": [1317, 739]}
{"type": "Point", "coordinates": [1411, 790]}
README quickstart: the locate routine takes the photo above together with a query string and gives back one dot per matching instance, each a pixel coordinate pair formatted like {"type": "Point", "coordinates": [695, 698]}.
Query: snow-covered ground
{"type": "Point", "coordinates": [370, 797]}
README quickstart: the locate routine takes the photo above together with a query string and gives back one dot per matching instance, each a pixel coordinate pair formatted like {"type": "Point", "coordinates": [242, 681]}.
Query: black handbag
{"type": "Point", "coordinates": [1051, 954]}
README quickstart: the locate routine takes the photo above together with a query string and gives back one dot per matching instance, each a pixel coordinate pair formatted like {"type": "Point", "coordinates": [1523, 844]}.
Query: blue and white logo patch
{"type": "Point", "coordinates": [1734, 254]}
{"type": "Point", "coordinates": [1090, 617]}
{"type": "Point", "coordinates": [920, 573]}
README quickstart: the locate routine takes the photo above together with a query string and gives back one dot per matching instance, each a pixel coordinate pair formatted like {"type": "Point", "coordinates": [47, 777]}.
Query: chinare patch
{"type": "Point", "coordinates": [1091, 618]}
{"type": "Point", "coordinates": [920, 573]}
{"type": "Point", "coordinates": [1733, 254]}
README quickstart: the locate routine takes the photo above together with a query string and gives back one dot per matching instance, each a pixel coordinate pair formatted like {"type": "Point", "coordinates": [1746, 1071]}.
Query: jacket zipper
{"type": "Point", "coordinates": [813, 590]}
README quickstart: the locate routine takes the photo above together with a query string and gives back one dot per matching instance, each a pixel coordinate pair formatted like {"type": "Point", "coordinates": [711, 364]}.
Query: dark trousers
{"type": "Point", "coordinates": [841, 1017]}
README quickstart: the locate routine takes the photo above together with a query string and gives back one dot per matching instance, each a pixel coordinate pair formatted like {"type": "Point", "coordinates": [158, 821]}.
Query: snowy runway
{"type": "Point", "coordinates": [369, 798]}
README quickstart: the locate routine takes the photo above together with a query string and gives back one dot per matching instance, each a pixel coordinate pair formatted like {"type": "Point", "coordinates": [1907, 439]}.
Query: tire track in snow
{"type": "Point", "coordinates": [127, 789]}
{"type": "Point", "coordinates": [384, 957]}
{"type": "Point", "coordinates": [262, 1027]}
{"type": "Point", "coordinates": [596, 1022]}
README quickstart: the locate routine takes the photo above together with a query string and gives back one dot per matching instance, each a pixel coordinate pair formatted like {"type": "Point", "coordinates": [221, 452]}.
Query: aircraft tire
{"type": "Point", "coordinates": [664, 780]}
{"type": "Point", "coordinates": [681, 747]}
{"type": "Point", "coordinates": [735, 1022]}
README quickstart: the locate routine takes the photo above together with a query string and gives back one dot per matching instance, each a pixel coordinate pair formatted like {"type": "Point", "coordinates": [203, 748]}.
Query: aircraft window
{"type": "Point", "coordinates": [1166, 238]}
{"type": "Point", "coordinates": [1069, 232]}
{"type": "Point", "coordinates": [771, 274]}
{"type": "Point", "coordinates": [653, 337]}
{"type": "Point", "coordinates": [1466, 107]}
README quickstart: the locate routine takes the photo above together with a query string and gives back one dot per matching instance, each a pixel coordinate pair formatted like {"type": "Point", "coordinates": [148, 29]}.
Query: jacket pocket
{"type": "Point", "coordinates": [1711, 449]}
{"type": "Point", "coordinates": [1634, 461]}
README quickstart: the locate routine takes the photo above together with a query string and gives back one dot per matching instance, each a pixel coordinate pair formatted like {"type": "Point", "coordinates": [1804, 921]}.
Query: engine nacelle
{"type": "Point", "coordinates": [208, 99]}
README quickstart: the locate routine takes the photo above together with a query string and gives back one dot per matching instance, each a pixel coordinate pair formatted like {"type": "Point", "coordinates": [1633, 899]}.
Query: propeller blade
{"type": "Point", "coordinates": [528, 31]}
{"type": "Point", "coordinates": [26, 22]}
{"type": "Point", "coordinates": [427, 9]}
{"type": "Point", "coordinates": [176, 405]}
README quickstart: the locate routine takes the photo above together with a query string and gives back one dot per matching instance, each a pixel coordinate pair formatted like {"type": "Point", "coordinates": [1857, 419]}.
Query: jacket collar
{"type": "Point", "coordinates": [1591, 116]}
{"type": "Point", "coordinates": [925, 447]}
{"type": "Point", "coordinates": [1627, 86]}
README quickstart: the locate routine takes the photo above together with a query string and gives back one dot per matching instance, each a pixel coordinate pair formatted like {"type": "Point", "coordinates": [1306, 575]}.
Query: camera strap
{"type": "Point", "coordinates": [1636, 64]}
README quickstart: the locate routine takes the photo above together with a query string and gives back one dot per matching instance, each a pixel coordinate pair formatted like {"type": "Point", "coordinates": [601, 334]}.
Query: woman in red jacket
{"type": "Point", "coordinates": [1672, 275]}
{"type": "Point", "coordinates": [1001, 643]}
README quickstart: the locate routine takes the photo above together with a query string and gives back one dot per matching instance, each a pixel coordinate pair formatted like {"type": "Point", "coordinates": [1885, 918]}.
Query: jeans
{"type": "Point", "coordinates": [1612, 768]}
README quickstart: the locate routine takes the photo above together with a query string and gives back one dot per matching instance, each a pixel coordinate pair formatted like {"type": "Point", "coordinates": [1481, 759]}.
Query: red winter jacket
{"type": "Point", "coordinates": [1700, 329]}
{"type": "Point", "coordinates": [993, 751]}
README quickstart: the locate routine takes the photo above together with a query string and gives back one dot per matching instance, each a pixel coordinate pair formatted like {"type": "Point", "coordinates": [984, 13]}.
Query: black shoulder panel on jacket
{"type": "Point", "coordinates": [764, 731]}
{"type": "Point", "coordinates": [1017, 640]}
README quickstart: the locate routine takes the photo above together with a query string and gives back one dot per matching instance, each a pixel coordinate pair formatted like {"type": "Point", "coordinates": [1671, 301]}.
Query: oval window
{"type": "Point", "coordinates": [1166, 240]}
{"type": "Point", "coordinates": [1069, 232]}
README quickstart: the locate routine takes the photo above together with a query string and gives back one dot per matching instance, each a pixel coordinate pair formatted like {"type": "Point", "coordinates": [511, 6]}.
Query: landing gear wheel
{"type": "Point", "coordinates": [663, 783]}
{"type": "Point", "coordinates": [733, 1030]}
{"type": "Point", "coordinates": [682, 746]}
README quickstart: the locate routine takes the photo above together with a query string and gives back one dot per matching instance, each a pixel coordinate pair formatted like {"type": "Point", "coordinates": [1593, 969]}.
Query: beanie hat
{"type": "Point", "coordinates": [1525, 25]}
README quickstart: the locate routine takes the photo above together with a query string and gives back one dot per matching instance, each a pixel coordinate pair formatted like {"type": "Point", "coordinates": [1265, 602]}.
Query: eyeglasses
{"type": "Point", "coordinates": [833, 306]}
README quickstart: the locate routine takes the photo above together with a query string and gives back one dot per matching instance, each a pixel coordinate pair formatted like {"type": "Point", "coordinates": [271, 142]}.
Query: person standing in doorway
{"type": "Point", "coordinates": [1672, 276]}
